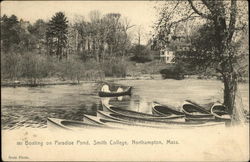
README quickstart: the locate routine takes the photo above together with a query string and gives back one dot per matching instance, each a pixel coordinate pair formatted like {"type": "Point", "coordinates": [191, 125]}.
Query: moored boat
{"type": "Point", "coordinates": [127, 91]}
{"type": "Point", "coordinates": [164, 110]}
{"type": "Point", "coordinates": [59, 124]}
{"type": "Point", "coordinates": [154, 124]}
{"type": "Point", "coordinates": [193, 110]}
{"type": "Point", "coordinates": [203, 119]}
{"type": "Point", "coordinates": [103, 119]}
{"type": "Point", "coordinates": [220, 112]}
{"type": "Point", "coordinates": [140, 115]}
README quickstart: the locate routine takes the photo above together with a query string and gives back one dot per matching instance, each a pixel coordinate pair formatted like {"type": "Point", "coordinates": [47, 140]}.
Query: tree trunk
{"type": "Point", "coordinates": [230, 98]}
{"type": "Point", "coordinates": [230, 88]}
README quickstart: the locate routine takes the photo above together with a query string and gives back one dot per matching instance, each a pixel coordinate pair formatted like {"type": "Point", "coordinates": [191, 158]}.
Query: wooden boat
{"type": "Point", "coordinates": [111, 122]}
{"type": "Point", "coordinates": [103, 121]}
{"type": "Point", "coordinates": [164, 110]}
{"type": "Point", "coordinates": [220, 112]}
{"type": "Point", "coordinates": [153, 124]}
{"type": "Point", "coordinates": [114, 94]}
{"type": "Point", "coordinates": [203, 119]}
{"type": "Point", "coordinates": [55, 123]}
{"type": "Point", "coordinates": [140, 115]}
{"type": "Point", "coordinates": [193, 110]}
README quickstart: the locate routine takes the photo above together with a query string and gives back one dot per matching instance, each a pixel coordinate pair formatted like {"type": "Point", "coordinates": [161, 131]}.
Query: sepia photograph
{"type": "Point", "coordinates": [125, 80]}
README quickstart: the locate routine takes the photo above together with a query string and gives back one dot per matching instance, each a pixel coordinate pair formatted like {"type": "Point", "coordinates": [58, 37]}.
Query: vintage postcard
{"type": "Point", "coordinates": [125, 80]}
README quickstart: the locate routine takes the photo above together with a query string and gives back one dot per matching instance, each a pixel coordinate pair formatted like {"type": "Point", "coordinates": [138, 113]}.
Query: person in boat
{"type": "Point", "coordinates": [105, 88]}
{"type": "Point", "coordinates": [120, 89]}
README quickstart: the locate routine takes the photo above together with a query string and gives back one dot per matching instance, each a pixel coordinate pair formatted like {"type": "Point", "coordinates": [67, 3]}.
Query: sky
{"type": "Point", "coordinates": [140, 13]}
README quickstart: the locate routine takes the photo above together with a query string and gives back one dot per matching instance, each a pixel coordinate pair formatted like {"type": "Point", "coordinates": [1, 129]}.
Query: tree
{"type": "Point", "coordinates": [38, 31]}
{"type": "Point", "coordinates": [9, 32]}
{"type": "Point", "coordinates": [102, 36]}
{"type": "Point", "coordinates": [56, 35]}
{"type": "Point", "coordinates": [141, 54]}
{"type": "Point", "coordinates": [224, 22]}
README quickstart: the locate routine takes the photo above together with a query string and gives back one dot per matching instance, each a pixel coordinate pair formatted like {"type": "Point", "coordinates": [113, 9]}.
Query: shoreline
{"type": "Point", "coordinates": [56, 81]}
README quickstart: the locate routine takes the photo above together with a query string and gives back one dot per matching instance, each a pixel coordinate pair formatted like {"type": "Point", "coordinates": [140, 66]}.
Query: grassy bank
{"type": "Point", "coordinates": [30, 69]}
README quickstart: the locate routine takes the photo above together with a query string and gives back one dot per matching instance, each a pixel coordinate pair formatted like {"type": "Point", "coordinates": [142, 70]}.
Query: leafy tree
{"type": "Point", "coordinates": [56, 35]}
{"type": "Point", "coordinates": [218, 45]}
{"type": "Point", "coordinates": [141, 54]}
{"type": "Point", "coordinates": [9, 32]}
{"type": "Point", "coordinates": [38, 31]}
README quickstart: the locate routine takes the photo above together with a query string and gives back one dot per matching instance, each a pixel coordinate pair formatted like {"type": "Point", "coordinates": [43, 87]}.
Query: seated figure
{"type": "Point", "coordinates": [105, 88]}
{"type": "Point", "coordinates": [120, 89]}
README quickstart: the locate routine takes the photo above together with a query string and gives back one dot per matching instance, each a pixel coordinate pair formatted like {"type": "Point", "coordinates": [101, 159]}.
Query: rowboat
{"type": "Point", "coordinates": [153, 124]}
{"type": "Point", "coordinates": [114, 94]}
{"type": "Point", "coordinates": [164, 110]}
{"type": "Point", "coordinates": [203, 119]}
{"type": "Point", "coordinates": [193, 110]}
{"type": "Point", "coordinates": [63, 124]}
{"type": "Point", "coordinates": [90, 119]}
{"type": "Point", "coordinates": [102, 119]}
{"type": "Point", "coordinates": [220, 112]}
{"type": "Point", "coordinates": [140, 115]}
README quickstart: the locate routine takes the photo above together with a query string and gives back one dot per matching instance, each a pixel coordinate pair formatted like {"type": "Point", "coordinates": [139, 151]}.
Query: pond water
{"type": "Point", "coordinates": [31, 106]}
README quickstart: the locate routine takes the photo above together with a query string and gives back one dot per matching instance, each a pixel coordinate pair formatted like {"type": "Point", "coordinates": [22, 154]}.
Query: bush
{"type": "Point", "coordinates": [114, 68]}
{"type": "Point", "coordinates": [141, 54]}
{"type": "Point", "coordinates": [140, 59]}
{"type": "Point", "coordinates": [10, 65]}
{"type": "Point", "coordinates": [71, 69]}
{"type": "Point", "coordinates": [27, 65]}
{"type": "Point", "coordinates": [175, 72]}
{"type": "Point", "coordinates": [35, 67]}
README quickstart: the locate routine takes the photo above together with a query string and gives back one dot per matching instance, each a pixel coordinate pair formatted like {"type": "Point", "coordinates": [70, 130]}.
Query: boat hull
{"type": "Point", "coordinates": [220, 112]}
{"type": "Point", "coordinates": [102, 119]}
{"type": "Point", "coordinates": [164, 110]}
{"type": "Point", "coordinates": [154, 124]}
{"type": "Point", "coordinates": [62, 124]}
{"type": "Point", "coordinates": [142, 116]}
{"type": "Point", "coordinates": [193, 110]}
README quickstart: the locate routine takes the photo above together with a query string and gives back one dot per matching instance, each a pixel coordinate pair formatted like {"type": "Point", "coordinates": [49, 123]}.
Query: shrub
{"type": "Point", "coordinates": [35, 67]}
{"type": "Point", "coordinates": [114, 68]}
{"type": "Point", "coordinates": [10, 65]}
{"type": "Point", "coordinates": [175, 72]}
{"type": "Point", "coordinates": [141, 54]}
{"type": "Point", "coordinates": [70, 68]}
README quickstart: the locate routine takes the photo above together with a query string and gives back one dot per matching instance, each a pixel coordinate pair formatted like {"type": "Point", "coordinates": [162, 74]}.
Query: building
{"type": "Point", "coordinates": [179, 41]}
{"type": "Point", "coordinates": [167, 55]}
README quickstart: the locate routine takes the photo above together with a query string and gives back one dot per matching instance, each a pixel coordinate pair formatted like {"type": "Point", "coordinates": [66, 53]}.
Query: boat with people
{"type": "Point", "coordinates": [154, 124]}
{"type": "Point", "coordinates": [141, 115]}
{"type": "Point", "coordinates": [105, 92]}
{"type": "Point", "coordinates": [193, 110]}
{"type": "Point", "coordinates": [164, 110]}
{"type": "Point", "coordinates": [220, 112]}
{"type": "Point", "coordinates": [55, 124]}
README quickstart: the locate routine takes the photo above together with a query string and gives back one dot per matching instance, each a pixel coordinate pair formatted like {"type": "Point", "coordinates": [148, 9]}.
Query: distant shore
{"type": "Point", "coordinates": [57, 81]}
